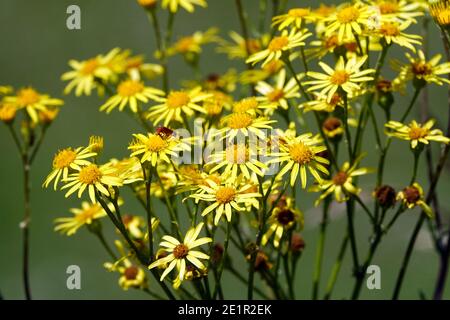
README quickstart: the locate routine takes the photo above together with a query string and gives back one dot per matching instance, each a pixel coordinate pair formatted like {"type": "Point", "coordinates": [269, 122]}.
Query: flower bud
{"type": "Point", "coordinates": [147, 4]}
{"type": "Point", "coordinates": [7, 113]}
{"type": "Point", "coordinates": [385, 196]}
{"type": "Point", "coordinates": [297, 243]}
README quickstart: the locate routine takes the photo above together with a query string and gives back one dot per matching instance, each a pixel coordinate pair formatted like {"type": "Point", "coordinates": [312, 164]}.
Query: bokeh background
{"type": "Point", "coordinates": [35, 48]}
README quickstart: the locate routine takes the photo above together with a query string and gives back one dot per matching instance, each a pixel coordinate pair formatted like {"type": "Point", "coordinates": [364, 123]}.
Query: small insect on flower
{"type": "Point", "coordinates": [65, 160]}
{"type": "Point", "coordinates": [82, 217]}
{"type": "Point", "coordinates": [282, 219]}
{"type": "Point", "coordinates": [89, 74]}
{"type": "Point", "coordinates": [341, 184]}
{"type": "Point", "coordinates": [93, 178]}
{"type": "Point", "coordinates": [130, 92]}
{"type": "Point", "coordinates": [299, 154]}
{"type": "Point", "coordinates": [226, 197]}
{"type": "Point", "coordinates": [279, 46]}
{"type": "Point", "coordinates": [346, 76]}
{"type": "Point", "coordinates": [177, 105]}
{"type": "Point", "coordinates": [295, 17]}
{"type": "Point", "coordinates": [188, 5]}
{"type": "Point", "coordinates": [158, 146]}
{"type": "Point", "coordinates": [412, 196]}
{"type": "Point", "coordinates": [280, 93]}
{"type": "Point", "coordinates": [33, 102]}
{"type": "Point", "coordinates": [181, 253]}
{"type": "Point", "coordinates": [415, 132]}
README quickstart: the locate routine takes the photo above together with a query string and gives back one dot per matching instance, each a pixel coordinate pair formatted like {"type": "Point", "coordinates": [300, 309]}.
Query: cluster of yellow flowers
{"type": "Point", "coordinates": [309, 86]}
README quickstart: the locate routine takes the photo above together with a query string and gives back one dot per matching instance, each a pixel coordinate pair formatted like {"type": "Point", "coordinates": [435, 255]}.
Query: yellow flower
{"type": "Point", "coordinates": [238, 158]}
{"type": "Point", "coordinates": [86, 74]}
{"type": "Point", "coordinates": [188, 5]}
{"type": "Point", "coordinates": [8, 112]}
{"type": "Point", "coordinates": [239, 48]}
{"type": "Point", "coordinates": [93, 178]}
{"type": "Point", "coordinates": [96, 144]}
{"type": "Point", "coordinates": [440, 11]}
{"type": "Point", "coordinates": [295, 17]}
{"type": "Point", "coordinates": [177, 105]}
{"type": "Point", "coordinates": [65, 160]}
{"type": "Point", "coordinates": [280, 45]}
{"type": "Point", "coordinates": [341, 184]}
{"type": "Point", "coordinates": [280, 92]}
{"type": "Point", "coordinates": [283, 218]}
{"type": "Point", "coordinates": [349, 20]}
{"type": "Point", "coordinates": [301, 153]}
{"type": "Point", "coordinates": [322, 103]}
{"type": "Point", "coordinates": [345, 76]}
{"type": "Point", "coordinates": [33, 102]}
{"type": "Point", "coordinates": [181, 253]}
{"type": "Point", "coordinates": [154, 147]}
{"type": "Point", "coordinates": [131, 276]}
{"type": "Point", "coordinates": [402, 10]}
{"type": "Point", "coordinates": [130, 92]}
{"type": "Point", "coordinates": [81, 217]}
{"type": "Point", "coordinates": [226, 197]}
{"type": "Point", "coordinates": [415, 132]}
{"type": "Point", "coordinates": [242, 125]}
{"type": "Point", "coordinates": [193, 44]}
{"type": "Point", "coordinates": [412, 196]}
{"type": "Point", "coordinates": [391, 32]}
{"type": "Point", "coordinates": [422, 71]}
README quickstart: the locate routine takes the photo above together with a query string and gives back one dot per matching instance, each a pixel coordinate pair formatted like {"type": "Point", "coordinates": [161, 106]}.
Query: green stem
{"type": "Point", "coordinates": [320, 249]}
{"type": "Point", "coordinates": [413, 100]}
{"type": "Point", "coordinates": [336, 268]}
{"type": "Point", "coordinates": [218, 286]}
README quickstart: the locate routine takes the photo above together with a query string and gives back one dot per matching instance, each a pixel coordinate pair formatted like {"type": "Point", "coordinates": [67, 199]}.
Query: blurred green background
{"type": "Point", "coordinates": [35, 49]}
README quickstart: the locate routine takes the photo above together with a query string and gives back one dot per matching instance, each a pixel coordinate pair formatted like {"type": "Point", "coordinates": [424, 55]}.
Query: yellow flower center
{"type": "Point", "coordinates": [335, 99]}
{"type": "Point", "coordinates": [147, 3]}
{"type": "Point", "coordinates": [245, 105]}
{"type": "Point", "coordinates": [213, 107]}
{"type": "Point", "coordinates": [184, 44]}
{"type": "Point", "coordinates": [331, 42]}
{"type": "Point", "coordinates": [27, 97]}
{"type": "Point", "coordinates": [155, 143]}
{"type": "Point", "coordinates": [275, 95]}
{"type": "Point", "coordinates": [88, 214]}
{"type": "Point", "coordinates": [278, 43]}
{"type": "Point", "coordinates": [237, 153]}
{"type": "Point", "coordinates": [273, 66]}
{"type": "Point", "coordinates": [253, 45]}
{"type": "Point", "coordinates": [324, 10]}
{"type": "Point", "coordinates": [440, 13]}
{"type": "Point", "coordinates": [301, 153]}
{"type": "Point", "coordinates": [417, 133]}
{"type": "Point", "coordinates": [339, 77]}
{"type": "Point", "coordinates": [64, 158]}
{"type": "Point", "coordinates": [177, 99]}
{"type": "Point", "coordinates": [90, 174]}
{"type": "Point", "coordinates": [129, 88]}
{"type": "Point", "coordinates": [239, 120]}
{"type": "Point", "coordinates": [180, 251]}
{"type": "Point", "coordinates": [348, 14]}
{"type": "Point", "coordinates": [225, 195]}
{"type": "Point", "coordinates": [388, 7]}
{"type": "Point", "coordinates": [299, 12]}
{"type": "Point", "coordinates": [421, 68]}
{"type": "Point", "coordinates": [90, 66]}
{"type": "Point", "coordinates": [340, 178]}
{"type": "Point", "coordinates": [389, 29]}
